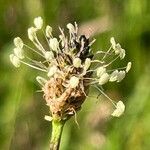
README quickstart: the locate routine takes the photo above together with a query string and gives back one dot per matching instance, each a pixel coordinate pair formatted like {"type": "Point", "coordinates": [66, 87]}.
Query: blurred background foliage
{"type": "Point", "coordinates": [22, 109]}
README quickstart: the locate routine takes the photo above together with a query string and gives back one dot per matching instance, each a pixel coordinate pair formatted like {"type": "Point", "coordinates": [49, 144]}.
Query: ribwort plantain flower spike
{"type": "Point", "coordinates": [70, 68]}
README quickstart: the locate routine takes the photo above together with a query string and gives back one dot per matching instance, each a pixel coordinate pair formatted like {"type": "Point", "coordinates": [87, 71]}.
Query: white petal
{"type": "Point", "coordinates": [103, 79]}
{"type": "Point", "coordinates": [120, 108]}
{"type": "Point", "coordinates": [38, 22]}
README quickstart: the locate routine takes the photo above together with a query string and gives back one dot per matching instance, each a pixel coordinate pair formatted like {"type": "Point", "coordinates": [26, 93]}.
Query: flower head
{"type": "Point", "coordinates": [69, 66]}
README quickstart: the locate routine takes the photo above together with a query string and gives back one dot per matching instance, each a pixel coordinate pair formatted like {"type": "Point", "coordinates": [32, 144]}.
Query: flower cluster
{"type": "Point", "coordinates": [70, 67]}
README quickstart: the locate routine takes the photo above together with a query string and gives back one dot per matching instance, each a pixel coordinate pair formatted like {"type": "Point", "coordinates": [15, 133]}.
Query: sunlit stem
{"type": "Point", "coordinates": [97, 61]}
{"type": "Point", "coordinates": [46, 39]}
{"type": "Point", "coordinates": [106, 96]}
{"type": "Point", "coordinates": [57, 128]}
{"type": "Point", "coordinates": [106, 53]}
{"type": "Point", "coordinates": [32, 66]}
{"type": "Point", "coordinates": [33, 50]}
{"type": "Point", "coordinates": [117, 69]}
{"type": "Point", "coordinates": [111, 61]}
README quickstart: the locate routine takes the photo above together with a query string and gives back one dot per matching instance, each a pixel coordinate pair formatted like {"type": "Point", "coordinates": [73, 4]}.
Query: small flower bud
{"type": "Point", "coordinates": [103, 79]}
{"type": "Point", "coordinates": [14, 60]}
{"type": "Point", "coordinates": [41, 80]}
{"type": "Point", "coordinates": [52, 71]}
{"type": "Point", "coordinates": [32, 33]}
{"type": "Point", "coordinates": [38, 22]}
{"type": "Point", "coordinates": [120, 108]}
{"type": "Point", "coordinates": [114, 76]}
{"type": "Point", "coordinates": [128, 66]}
{"type": "Point", "coordinates": [121, 75]}
{"type": "Point", "coordinates": [49, 55]}
{"type": "Point", "coordinates": [77, 62]}
{"type": "Point", "coordinates": [48, 118]}
{"type": "Point", "coordinates": [19, 52]}
{"type": "Point", "coordinates": [87, 63]}
{"type": "Point", "coordinates": [100, 71]}
{"type": "Point", "coordinates": [48, 31]}
{"type": "Point", "coordinates": [74, 81]}
{"type": "Point", "coordinates": [54, 44]}
{"type": "Point", "coordinates": [18, 42]}
{"type": "Point", "coordinates": [71, 27]}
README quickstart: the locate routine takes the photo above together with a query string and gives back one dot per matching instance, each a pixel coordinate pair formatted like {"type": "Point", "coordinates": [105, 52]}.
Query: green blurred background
{"type": "Point", "coordinates": [22, 109]}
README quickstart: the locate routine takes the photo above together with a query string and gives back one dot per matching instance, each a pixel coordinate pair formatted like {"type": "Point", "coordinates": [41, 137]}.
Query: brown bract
{"type": "Point", "coordinates": [63, 101]}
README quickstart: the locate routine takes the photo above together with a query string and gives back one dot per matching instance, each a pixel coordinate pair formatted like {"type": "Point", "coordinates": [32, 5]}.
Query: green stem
{"type": "Point", "coordinates": [57, 127]}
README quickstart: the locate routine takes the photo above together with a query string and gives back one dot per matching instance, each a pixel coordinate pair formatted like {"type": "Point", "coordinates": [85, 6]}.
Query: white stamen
{"type": "Point", "coordinates": [32, 33]}
{"type": "Point", "coordinates": [122, 54]}
{"type": "Point", "coordinates": [74, 81]}
{"type": "Point", "coordinates": [41, 80]}
{"type": "Point", "coordinates": [112, 41]}
{"type": "Point", "coordinates": [54, 44]}
{"type": "Point", "coordinates": [14, 60]}
{"type": "Point", "coordinates": [19, 52]}
{"type": "Point", "coordinates": [52, 71]}
{"type": "Point", "coordinates": [100, 71]}
{"type": "Point", "coordinates": [121, 75]}
{"type": "Point", "coordinates": [49, 55]}
{"type": "Point", "coordinates": [48, 31]}
{"type": "Point", "coordinates": [87, 63]}
{"type": "Point", "coordinates": [48, 118]}
{"type": "Point", "coordinates": [77, 62]}
{"type": "Point", "coordinates": [71, 27]}
{"type": "Point", "coordinates": [38, 22]}
{"type": "Point", "coordinates": [103, 79]}
{"type": "Point", "coordinates": [114, 76]}
{"type": "Point", "coordinates": [18, 42]}
{"type": "Point", "coordinates": [128, 66]}
{"type": "Point", "coordinates": [120, 108]}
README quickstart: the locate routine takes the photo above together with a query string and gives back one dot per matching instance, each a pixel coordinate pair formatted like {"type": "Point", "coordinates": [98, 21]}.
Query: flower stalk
{"type": "Point", "coordinates": [57, 128]}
